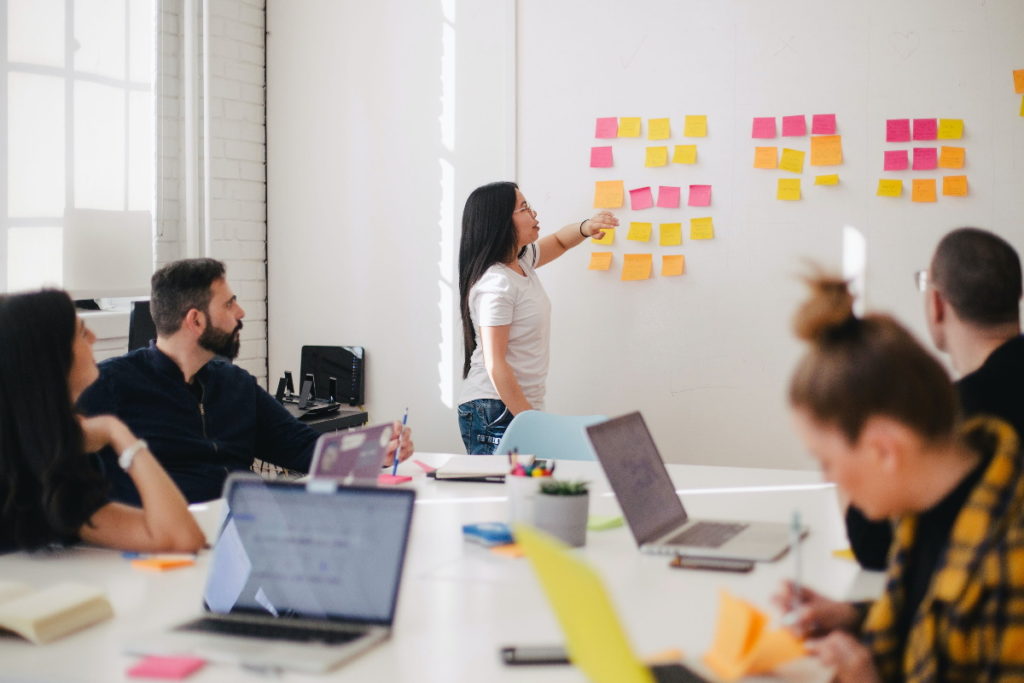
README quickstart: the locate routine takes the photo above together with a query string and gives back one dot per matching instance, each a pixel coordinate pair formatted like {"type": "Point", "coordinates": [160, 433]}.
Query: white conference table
{"type": "Point", "coordinates": [459, 603]}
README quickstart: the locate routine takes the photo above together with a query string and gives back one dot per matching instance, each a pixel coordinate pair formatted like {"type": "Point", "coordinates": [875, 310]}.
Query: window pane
{"type": "Point", "coordinates": [142, 28]}
{"type": "Point", "coordinates": [35, 145]}
{"type": "Point", "coordinates": [33, 258]}
{"type": "Point", "coordinates": [35, 32]}
{"type": "Point", "coordinates": [141, 158]}
{"type": "Point", "coordinates": [99, 146]}
{"type": "Point", "coordinates": [100, 32]}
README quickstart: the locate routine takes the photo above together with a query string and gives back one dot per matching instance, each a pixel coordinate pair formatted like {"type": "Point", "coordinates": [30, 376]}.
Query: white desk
{"type": "Point", "coordinates": [459, 603]}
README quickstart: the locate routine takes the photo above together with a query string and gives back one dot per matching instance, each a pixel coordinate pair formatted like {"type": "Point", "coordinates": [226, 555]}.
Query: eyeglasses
{"type": "Point", "coordinates": [921, 280]}
{"type": "Point", "coordinates": [526, 207]}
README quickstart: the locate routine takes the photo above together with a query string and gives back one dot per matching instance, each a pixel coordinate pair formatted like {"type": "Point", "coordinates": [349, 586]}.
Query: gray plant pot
{"type": "Point", "coordinates": [564, 517]}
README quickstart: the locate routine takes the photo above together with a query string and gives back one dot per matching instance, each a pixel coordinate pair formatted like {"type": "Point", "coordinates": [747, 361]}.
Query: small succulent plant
{"type": "Point", "coordinates": [555, 487]}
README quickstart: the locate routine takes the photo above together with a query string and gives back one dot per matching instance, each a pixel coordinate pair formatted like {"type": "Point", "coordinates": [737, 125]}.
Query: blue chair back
{"type": "Point", "coordinates": [547, 435]}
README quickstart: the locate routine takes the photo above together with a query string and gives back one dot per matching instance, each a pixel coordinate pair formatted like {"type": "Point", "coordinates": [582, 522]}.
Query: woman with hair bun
{"type": "Point", "coordinates": [878, 412]}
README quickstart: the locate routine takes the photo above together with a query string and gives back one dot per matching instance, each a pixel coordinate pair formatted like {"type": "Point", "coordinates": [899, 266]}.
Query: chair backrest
{"type": "Point", "coordinates": [549, 436]}
{"type": "Point", "coordinates": [140, 326]}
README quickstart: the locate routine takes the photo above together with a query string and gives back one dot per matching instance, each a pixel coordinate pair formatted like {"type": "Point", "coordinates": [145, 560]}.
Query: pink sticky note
{"type": "Point", "coordinates": [794, 126]}
{"type": "Point", "coordinates": [926, 129]}
{"type": "Point", "coordinates": [896, 160]}
{"type": "Point", "coordinates": [640, 198]}
{"type": "Point", "coordinates": [925, 158]}
{"type": "Point", "coordinates": [897, 130]}
{"type": "Point", "coordinates": [607, 127]}
{"type": "Point", "coordinates": [700, 195]}
{"type": "Point", "coordinates": [424, 466]}
{"type": "Point", "coordinates": [668, 197]}
{"type": "Point", "coordinates": [168, 668]}
{"type": "Point", "coordinates": [764, 127]}
{"type": "Point", "coordinates": [823, 124]}
{"type": "Point", "coordinates": [600, 157]}
{"type": "Point", "coordinates": [392, 479]}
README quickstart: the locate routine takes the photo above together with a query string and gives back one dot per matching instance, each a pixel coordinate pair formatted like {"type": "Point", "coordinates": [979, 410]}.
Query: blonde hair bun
{"type": "Point", "coordinates": [829, 308]}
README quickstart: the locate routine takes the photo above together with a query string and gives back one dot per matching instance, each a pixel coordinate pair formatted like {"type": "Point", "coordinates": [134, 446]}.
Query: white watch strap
{"type": "Point", "coordinates": [128, 455]}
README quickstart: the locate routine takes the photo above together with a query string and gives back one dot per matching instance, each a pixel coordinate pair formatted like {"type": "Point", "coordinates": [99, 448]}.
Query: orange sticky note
{"type": "Point", "coordinates": [695, 126]}
{"type": "Point", "coordinates": [788, 189]}
{"type": "Point", "coordinates": [673, 264]}
{"type": "Point", "coordinates": [792, 160]}
{"type": "Point", "coordinates": [743, 645]}
{"type": "Point", "coordinates": [826, 150]}
{"type": "Point", "coordinates": [629, 127]}
{"type": "Point", "coordinates": [600, 260]}
{"type": "Point", "coordinates": [639, 232]}
{"type": "Point", "coordinates": [954, 186]}
{"type": "Point", "coordinates": [159, 564]}
{"type": "Point", "coordinates": [1018, 81]}
{"type": "Point", "coordinates": [508, 550]}
{"type": "Point", "coordinates": [670, 234]}
{"type": "Point", "coordinates": [766, 157]}
{"type": "Point", "coordinates": [951, 129]}
{"type": "Point", "coordinates": [951, 157]}
{"type": "Point", "coordinates": [656, 156]}
{"type": "Point", "coordinates": [889, 188]}
{"type": "Point", "coordinates": [684, 154]}
{"type": "Point", "coordinates": [922, 190]}
{"type": "Point", "coordinates": [658, 129]}
{"type": "Point", "coordinates": [608, 194]}
{"type": "Point", "coordinates": [830, 179]}
{"type": "Point", "coordinates": [607, 238]}
{"type": "Point", "coordinates": [636, 266]}
{"type": "Point", "coordinates": [702, 228]}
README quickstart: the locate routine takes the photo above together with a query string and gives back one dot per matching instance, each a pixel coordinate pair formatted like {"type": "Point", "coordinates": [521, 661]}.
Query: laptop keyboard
{"type": "Point", "coordinates": [707, 534]}
{"type": "Point", "coordinates": [271, 631]}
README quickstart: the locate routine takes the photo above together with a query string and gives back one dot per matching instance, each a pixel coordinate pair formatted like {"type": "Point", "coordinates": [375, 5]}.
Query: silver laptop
{"type": "Point", "coordinates": [352, 457]}
{"type": "Point", "coordinates": [299, 579]}
{"type": "Point", "coordinates": [653, 510]}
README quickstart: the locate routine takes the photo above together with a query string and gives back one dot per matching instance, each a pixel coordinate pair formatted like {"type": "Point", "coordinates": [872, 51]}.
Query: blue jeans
{"type": "Point", "coordinates": [482, 423]}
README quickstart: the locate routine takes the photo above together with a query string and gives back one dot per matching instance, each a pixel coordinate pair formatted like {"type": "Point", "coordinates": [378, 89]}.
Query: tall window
{"type": "Point", "coordinates": [78, 126]}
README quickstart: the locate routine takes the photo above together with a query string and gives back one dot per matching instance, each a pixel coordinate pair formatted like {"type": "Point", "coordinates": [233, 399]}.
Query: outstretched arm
{"type": "Point", "coordinates": [554, 245]}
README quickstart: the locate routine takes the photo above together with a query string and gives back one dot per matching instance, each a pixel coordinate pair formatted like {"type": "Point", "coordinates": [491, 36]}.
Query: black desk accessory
{"type": "Point", "coordinates": [346, 364]}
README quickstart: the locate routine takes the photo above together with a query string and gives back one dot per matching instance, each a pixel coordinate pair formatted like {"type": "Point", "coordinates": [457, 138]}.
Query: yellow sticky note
{"type": "Point", "coordinates": [889, 188]}
{"type": "Point", "coordinates": [673, 264]}
{"type": "Point", "coordinates": [600, 260]}
{"type": "Point", "coordinates": [608, 194]}
{"type": "Point", "coordinates": [1018, 81]}
{"type": "Point", "coordinates": [792, 160]}
{"type": "Point", "coordinates": [826, 150]}
{"type": "Point", "coordinates": [951, 129]}
{"type": "Point", "coordinates": [743, 645]}
{"type": "Point", "coordinates": [830, 179]}
{"type": "Point", "coordinates": [702, 229]}
{"type": "Point", "coordinates": [1022, 106]}
{"type": "Point", "coordinates": [844, 554]}
{"type": "Point", "coordinates": [160, 564]}
{"type": "Point", "coordinates": [629, 127]}
{"type": "Point", "coordinates": [656, 156]}
{"type": "Point", "coordinates": [954, 186]}
{"type": "Point", "coordinates": [658, 129]}
{"type": "Point", "coordinates": [951, 157]}
{"type": "Point", "coordinates": [670, 234]}
{"type": "Point", "coordinates": [788, 189]}
{"type": "Point", "coordinates": [639, 232]}
{"type": "Point", "coordinates": [766, 157]}
{"type": "Point", "coordinates": [636, 266]}
{"type": "Point", "coordinates": [922, 190]}
{"type": "Point", "coordinates": [685, 154]}
{"type": "Point", "coordinates": [695, 126]}
{"type": "Point", "coordinates": [608, 238]}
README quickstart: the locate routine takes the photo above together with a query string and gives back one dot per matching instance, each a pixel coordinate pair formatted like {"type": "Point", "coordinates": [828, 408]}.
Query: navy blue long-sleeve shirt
{"type": "Point", "coordinates": [199, 432]}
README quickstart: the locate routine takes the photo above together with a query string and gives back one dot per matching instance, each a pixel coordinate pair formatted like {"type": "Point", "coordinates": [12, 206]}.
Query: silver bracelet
{"type": "Point", "coordinates": [128, 454]}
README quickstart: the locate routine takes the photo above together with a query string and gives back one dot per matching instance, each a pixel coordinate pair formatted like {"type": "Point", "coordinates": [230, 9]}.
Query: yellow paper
{"type": "Point", "coordinates": [844, 554]}
{"type": "Point", "coordinates": [600, 260]}
{"type": "Point", "coordinates": [629, 127]}
{"type": "Point", "coordinates": [774, 649]}
{"type": "Point", "coordinates": [658, 129]}
{"type": "Point", "coordinates": [608, 194]}
{"type": "Point", "coordinates": [922, 190]}
{"type": "Point", "coordinates": [951, 157]}
{"type": "Point", "coordinates": [951, 129]}
{"type": "Point", "coordinates": [685, 154]}
{"type": "Point", "coordinates": [639, 232]}
{"type": "Point", "coordinates": [636, 266]}
{"type": "Point", "coordinates": [702, 229]}
{"type": "Point", "coordinates": [954, 186]}
{"type": "Point", "coordinates": [160, 564]}
{"type": "Point", "coordinates": [766, 157]}
{"type": "Point", "coordinates": [656, 156]}
{"type": "Point", "coordinates": [670, 234]}
{"type": "Point", "coordinates": [826, 150]}
{"type": "Point", "coordinates": [788, 189]}
{"type": "Point", "coordinates": [673, 264]}
{"type": "Point", "coordinates": [792, 160]}
{"type": "Point", "coordinates": [695, 126]}
{"type": "Point", "coordinates": [1022, 106]}
{"type": "Point", "coordinates": [889, 188]}
{"type": "Point", "coordinates": [742, 644]}
{"type": "Point", "coordinates": [608, 238]}
{"type": "Point", "coordinates": [831, 179]}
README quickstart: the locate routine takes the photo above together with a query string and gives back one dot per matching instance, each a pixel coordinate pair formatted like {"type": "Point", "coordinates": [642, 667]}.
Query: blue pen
{"type": "Point", "coordinates": [398, 448]}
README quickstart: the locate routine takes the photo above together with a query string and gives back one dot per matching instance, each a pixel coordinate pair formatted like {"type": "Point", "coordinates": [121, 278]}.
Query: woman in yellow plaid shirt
{"type": "Point", "coordinates": [879, 414]}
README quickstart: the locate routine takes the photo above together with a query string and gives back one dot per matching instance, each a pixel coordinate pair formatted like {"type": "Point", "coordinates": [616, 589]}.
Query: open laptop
{"type": "Point", "coordinates": [299, 579]}
{"type": "Point", "coordinates": [653, 510]}
{"type": "Point", "coordinates": [353, 457]}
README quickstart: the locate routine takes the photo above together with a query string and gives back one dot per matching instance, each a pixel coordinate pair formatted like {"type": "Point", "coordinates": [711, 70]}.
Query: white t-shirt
{"type": "Point", "coordinates": [504, 297]}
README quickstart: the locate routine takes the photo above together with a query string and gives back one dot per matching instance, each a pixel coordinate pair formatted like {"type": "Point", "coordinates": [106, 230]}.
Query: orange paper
{"type": "Point", "coordinates": [922, 190]}
{"type": "Point", "coordinates": [766, 157]}
{"type": "Point", "coordinates": [743, 645]}
{"type": "Point", "coordinates": [1018, 81]}
{"type": "Point", "coordinates": [673, 264]}
{"type": "Point", "coordinates": [159, 564]}
{"type": "Point", "coordinates": [826, 150]}
{"type": "Point", "coordinates": [951, 157]}
{"type": "Point", "coordinates": [608, 194]}
{"type": "Point", "coordinates": [600, 260]}
{"type": "Point", "coordinates": [636, 266]}
{"type": "Point", "coordinates": [954, 186]}
{"type": "Point", "coordinates": [508, 550]}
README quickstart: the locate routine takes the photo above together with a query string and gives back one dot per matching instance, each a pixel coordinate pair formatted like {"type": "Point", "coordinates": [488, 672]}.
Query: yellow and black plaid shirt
{"type": "Point", "coordinates": [970, 624]}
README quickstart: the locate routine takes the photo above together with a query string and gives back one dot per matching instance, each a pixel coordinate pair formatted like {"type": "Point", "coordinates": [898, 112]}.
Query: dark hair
{"type": "Point", "coordinates": [978, 272]}
{"type": "Point", "coordinates": [857, 368]}
{"type": "Point", "coordinates": [179, 287]}
{"type": "Point", "coordinates": [488, 237]}
{"type": "Point", "coordinates": [47, 485]}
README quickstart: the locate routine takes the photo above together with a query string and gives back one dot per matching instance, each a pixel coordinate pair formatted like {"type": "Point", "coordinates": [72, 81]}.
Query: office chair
{"type": "Point", "coordinates": [547, 435]}
{"type": "Point", "coordinates": [140, 326]}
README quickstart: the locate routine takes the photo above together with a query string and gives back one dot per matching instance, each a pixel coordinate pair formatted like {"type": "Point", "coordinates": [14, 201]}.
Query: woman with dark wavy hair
{"type": "Point", "coordinates": [50, 493]}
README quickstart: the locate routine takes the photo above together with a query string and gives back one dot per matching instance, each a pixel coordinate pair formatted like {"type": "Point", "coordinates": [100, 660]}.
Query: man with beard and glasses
{"type": "Point", "coordinates": [201, 416]}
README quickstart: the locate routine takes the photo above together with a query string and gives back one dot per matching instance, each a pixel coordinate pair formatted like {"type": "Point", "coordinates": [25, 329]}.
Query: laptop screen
{"type": "Point", "coordinates": [638, 476]}
{"type": "Point", "coordinates": [287, 552]}
{"type": "Point", "coordinates": [352, 456]}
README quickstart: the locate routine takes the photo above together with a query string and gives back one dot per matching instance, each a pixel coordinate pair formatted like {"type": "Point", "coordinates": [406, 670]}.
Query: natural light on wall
{"type": "Point", "coordinates": [447, 282]}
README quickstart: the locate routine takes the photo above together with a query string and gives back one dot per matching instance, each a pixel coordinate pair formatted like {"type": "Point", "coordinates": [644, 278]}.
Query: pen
{"type": "Point", "coordinates": [795, 529]}
{"type": "Point", "coordinates": [398, 448]}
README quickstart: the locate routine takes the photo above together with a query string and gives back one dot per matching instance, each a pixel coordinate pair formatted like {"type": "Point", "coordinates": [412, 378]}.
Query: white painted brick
{"type": "Point", "coordinates": [218, 26]}
{"type": "Point", "coordinates": [254, 94]}
{"type": "Point", "coordinates": [252, 54]}
{"type": "Point", "coordinates": [254, 16]}
{"type": "Point", "coordinates": [249, 270]}
{"type": "Point", "coordinates": [244, 73]}
{"type": "Point", "coordinates": [250, 132]}
{"type": "Point", "coordinates": [224, 49]}
{"type": "Point", "coordinates": [223, 87]}
{"type": "Point", "coordinates": [254, 329]}
{"type": "Point", "coordinates": [251, 231]}
{"type": "Point", "coordinates": [244, 33]}
{"type": "Point", "coordinates": [224, 8]}
{"type": "Point", "coordinates": [247, 151]}
{"type": "Point", "coordinates": [248, 190]}
{"type": "Point", "coordinates": [254, 309]}
{"type": "Point", "coordinates": [224, 168]}
{"type": "Point", "coordinates": [251, 170]}
{"type": "Point", "coordinates": [250, 290]}
{"type": "Point", "coordinates": [242, 111]}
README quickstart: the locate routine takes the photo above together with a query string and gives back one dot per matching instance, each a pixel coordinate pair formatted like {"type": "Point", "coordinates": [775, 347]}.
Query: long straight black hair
{"type": "Point", "coordinates": [488, 237]}
{"type": "Point", "coordinates": [48, 487]}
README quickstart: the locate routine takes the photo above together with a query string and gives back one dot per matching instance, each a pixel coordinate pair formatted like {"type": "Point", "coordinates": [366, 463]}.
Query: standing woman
{"type": "Point", "coordinates": [50, 492]}
{"type": "Point", "coordinates": [506, 315]}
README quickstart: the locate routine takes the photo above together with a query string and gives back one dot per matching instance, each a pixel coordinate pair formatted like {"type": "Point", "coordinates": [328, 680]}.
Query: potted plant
{"type": "Point", "coordinates": [561, 510]}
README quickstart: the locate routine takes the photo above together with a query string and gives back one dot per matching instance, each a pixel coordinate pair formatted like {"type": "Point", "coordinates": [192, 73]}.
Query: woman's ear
{"type": "Point", "coordinates": [888, 442]}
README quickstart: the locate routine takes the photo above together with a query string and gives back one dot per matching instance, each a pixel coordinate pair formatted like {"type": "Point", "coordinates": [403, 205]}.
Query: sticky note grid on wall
{"type": "Point", "coordinates": [824, 145]}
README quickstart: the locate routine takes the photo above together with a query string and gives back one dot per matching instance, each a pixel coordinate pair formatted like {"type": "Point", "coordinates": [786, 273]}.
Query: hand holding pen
{"type": "Point", "coordinates": [406, 444]}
